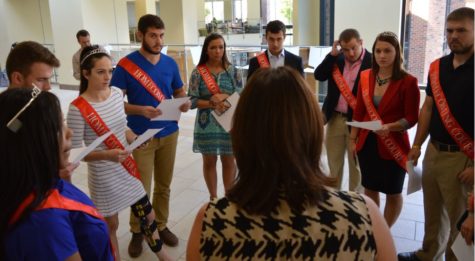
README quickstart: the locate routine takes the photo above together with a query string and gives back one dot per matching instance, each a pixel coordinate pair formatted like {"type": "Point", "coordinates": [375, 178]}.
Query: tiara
{"type": "Point", "coordinates": [387, 34]}
{"type": "Point", "coordinates": [15, 124]}
{"type": "Point", "coordinates": [95, 51]}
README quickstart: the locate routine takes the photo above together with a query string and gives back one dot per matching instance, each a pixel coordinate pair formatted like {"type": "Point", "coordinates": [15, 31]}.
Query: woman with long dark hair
{"type": "Point", "coordinates": [42, 217]}
{"type": "Point", "coordinates": [282, 207]}
{"type": "Point", "coordinates": [212, 81]}
{"type": "Point", "coordinates": [390, 94]}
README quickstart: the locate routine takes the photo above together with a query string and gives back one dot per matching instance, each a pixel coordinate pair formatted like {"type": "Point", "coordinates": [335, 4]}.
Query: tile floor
{"type": "Point", "coordinates": [189, 193]}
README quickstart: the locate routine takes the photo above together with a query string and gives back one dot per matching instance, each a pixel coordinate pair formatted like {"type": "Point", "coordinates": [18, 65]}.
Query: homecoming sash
{"type": "Point", "coordinates": [57, 201]}
{"type": "Point", "coordinates": [343, 87]}
{"type": "Point", "coordinates": [388, 140]}
{"type": "Point", "coordinates": [262, 60]}
{"type": "Point", "coordinates": [211, 84]}
{"type": "Point", "coordinates": [100, 128]}
{"type": "Point", "coordinates": [143, 78]}
{"type": "Point", "coordinates": [451, 125]}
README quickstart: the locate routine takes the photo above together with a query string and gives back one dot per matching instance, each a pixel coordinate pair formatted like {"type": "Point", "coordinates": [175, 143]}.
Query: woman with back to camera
{"type": "Point", "coordinates": [282, 207]}
{"type": "Point", "coordinates": [43, 217]}
{"type": "Point", "coordinates": [113, 179]}
{"type": "Point", "coordinates": [387, 93]}
{"type": "Point", "coordinates": [211, 82]}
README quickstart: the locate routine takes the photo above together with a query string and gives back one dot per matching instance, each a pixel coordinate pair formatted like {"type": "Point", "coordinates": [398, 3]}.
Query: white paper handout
{"type": "Point", "coordinates": [369, 125]}
{"type": "Point", "coordinates": [142, 138]}
{"type": "Point", "coordinates": [414, 183]}
{"type": "Point", "coordinates": [225, 119]}
{"type": "Point", "coordinates": [170, 109]}
{"type": "Point", "coordinates": [461, 250]}
{"type": "Point", "coordinates": [83, 153]}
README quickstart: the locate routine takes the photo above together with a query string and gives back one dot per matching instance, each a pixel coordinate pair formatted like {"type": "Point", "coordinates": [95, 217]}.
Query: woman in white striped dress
{"type": "Point", "coordinates": [112, 186]}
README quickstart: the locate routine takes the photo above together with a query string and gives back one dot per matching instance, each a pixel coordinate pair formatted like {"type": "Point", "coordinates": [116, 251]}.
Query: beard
{"type": "Point", "coordinates": [149, 49]}
{"type": "Point", "coordinates": [458, 48]}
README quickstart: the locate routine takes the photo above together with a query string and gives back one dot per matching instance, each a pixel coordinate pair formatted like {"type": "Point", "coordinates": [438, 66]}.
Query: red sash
{"type": "Point", "coordinates": [100, 128]}
{"type": "Point", "coordinates": [451, 125]}
{"type": "Point", "coordinates": [211, 84]}
{"type": "Point", "coordinates": [262, 60]}
{"type": "Point", "coordinates": [388, 140]}
{"type": "Point", "coordinates": [343, 87]}
{"type": "Point", "coordinates": [57, 201]}
{"type": "Point", "coordinates": [143, 78]}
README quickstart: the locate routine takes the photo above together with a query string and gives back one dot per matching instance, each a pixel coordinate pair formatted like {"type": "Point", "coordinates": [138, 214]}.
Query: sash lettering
{"type": "Point", "coordinates": [143, 78]}
{"type": "Point", "coordinates": [262, 60]}
{"type": "Point", "coordinates": [211, 84]}
{"type": "Point", "coordinates": [451, 125]}
{"type": "Point", "coordinates": [388, 141]}
{"type": "Point", "coordinates": [100, 128]}
{"type": "Point", "coordinates": [343, 87]}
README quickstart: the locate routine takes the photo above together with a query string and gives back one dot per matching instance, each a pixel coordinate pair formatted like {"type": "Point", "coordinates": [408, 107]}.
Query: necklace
{"type": "Point", "coordinates": [382, 81]}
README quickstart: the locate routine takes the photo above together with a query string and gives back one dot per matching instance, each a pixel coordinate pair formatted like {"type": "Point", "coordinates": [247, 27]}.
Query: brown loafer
{"type": "Point", "coordinates": [168, 237]}
{"type": "Point", "coordinates": [135, 245]}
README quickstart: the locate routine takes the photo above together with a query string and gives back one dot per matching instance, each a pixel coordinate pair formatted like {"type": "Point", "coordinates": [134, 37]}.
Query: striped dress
{"type": "Point", "coordinates": [111, 187]}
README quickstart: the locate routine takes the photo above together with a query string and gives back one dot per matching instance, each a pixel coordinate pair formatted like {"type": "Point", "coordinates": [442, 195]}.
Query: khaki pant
{"type": "Point", "coordinates": [337, 143]}
{"type": "Point", "coordinates": [158, 158]}
{"type": "Point", "coordinates": [444, 201]}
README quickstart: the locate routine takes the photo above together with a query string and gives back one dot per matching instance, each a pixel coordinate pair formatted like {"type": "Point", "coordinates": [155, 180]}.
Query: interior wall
{"type": "Point", "coordinates": [369, 17]}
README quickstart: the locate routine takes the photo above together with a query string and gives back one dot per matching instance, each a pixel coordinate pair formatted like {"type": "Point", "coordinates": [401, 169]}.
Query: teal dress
{"type": "Point", "coordinates": [209, 137]}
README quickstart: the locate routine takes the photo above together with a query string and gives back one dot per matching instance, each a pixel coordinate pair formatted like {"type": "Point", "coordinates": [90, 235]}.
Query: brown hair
{"type": "Point", "coordinates": [461, 14]}
{"type": "Point", "coordinates": [398, 69]}
{"type": "Point", "coordinates": [277, 140]}
{"type": "Point", "coordinates": [25, 54]}
{"type": "Point", "coordinates": [349, 34]}
{"type": "Point", "coordinates": [150, 20]}
{"type": "Point", "coordinates": [204, 51]}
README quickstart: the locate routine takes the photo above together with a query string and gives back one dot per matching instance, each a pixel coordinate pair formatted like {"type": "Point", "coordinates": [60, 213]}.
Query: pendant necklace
{"type": "Point", "coordinates": [382, 81]}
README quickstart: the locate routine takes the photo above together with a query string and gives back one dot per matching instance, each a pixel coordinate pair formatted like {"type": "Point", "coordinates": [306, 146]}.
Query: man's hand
{"type": "Point", "coordinates": [151, 112]}
{"type": "Point", "coordinates": [466, 176]}
{"type": "Point", "coordinates": [467, 230]}
{"type": "Point", "coordinates": [185, 106]}
{"type": "Point", "coordinates": [335, 51]}
{"type": "Point", "coordinates": [414, 155]}
{"type": "Point", "coordinates": [67, 172]}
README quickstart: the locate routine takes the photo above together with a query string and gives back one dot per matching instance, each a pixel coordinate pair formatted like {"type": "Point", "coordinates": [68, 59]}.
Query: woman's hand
{"type": "Point", "coordinates": [218, 97]}
{"type": "Point", "coordinates": [383, 131]}
{"type": "Point", "coordinates": [467, 229]}
{"type": "Point", "coordinates": [117, 155]}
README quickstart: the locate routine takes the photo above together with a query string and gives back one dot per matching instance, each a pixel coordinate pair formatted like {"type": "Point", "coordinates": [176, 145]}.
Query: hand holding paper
{"type": "Point", "coordinates": [170, 109]}
{"type": "Point", "coordinates": [142, 138]}
{"type": "Point", "coordinates": [90, 148]}
{"type": "Point", "coordinates": [369, 125]}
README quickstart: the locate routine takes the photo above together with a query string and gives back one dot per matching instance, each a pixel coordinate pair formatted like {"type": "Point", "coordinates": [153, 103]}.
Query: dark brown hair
{"type": "Point", "coordinates": [277, 140]}
{"type": "Point", "coordinates": [349, 34]}
{"type": "Point", "coordinates": [25, 54]}
{"type": "Point", "coordinates": [275, 27]}
{"type": "Point", "coordinates": [148, 21]}
{"type": "Point", "coordinates": [398, 69]}
{"type": "Point", "coordinates": [89, 56]}
{"type": "Point", "coordinates": [461, 14]}
{"type": "Point", "coordinates": [204, 52]}
{"type": "Point", "coordinates": [81, 33]}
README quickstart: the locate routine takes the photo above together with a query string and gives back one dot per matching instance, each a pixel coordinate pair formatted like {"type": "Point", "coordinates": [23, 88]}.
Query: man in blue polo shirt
{"type": "Point", "coordinates": [134, 75]}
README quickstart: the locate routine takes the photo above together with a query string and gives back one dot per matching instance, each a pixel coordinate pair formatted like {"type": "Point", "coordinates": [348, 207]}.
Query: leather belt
{"type": "Point", "coordinates": [340, 113]}
{"type": "Point", "coordinates": [445, 147]}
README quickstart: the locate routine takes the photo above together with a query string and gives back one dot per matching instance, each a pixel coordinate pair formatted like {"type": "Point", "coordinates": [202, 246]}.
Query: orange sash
{"type": "Point", "coordinates": [100, 128]}
{"type": "Point", "coordinates": [343, 87]}
{"type": "Point", "coordinates": [451, 125]}
{"type": "Point", "coordinates": [388, 140]}
{"type": "Point", "coordinates": [211, 84]}
{"type": "Point", "coordinates": [262, 60]}
{"type": "Point", "coordinates": [143, 78]}
{"type": "Point", "coordinates": [57, 201]}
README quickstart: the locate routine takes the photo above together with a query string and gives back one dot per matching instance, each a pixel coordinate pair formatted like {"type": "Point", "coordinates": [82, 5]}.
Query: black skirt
{"type": "Point", "coordinates": [379, 174]}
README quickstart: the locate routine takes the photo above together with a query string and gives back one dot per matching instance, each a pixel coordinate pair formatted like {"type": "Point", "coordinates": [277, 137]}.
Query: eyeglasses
{"type": "Point", "coordinates": [15, 124]}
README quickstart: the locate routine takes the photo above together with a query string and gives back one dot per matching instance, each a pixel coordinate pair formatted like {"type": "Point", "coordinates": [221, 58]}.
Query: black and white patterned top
{"type": "Point", "coordinates": [338, 228]}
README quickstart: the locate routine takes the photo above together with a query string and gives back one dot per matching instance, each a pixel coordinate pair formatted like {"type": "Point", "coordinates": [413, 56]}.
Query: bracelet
{"type": "Point", "coordinates": [417, 147]}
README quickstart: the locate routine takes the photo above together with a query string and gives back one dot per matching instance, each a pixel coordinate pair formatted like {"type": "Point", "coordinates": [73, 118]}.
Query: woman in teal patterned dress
{"type": "Point", "coordinates": [210, 139]}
